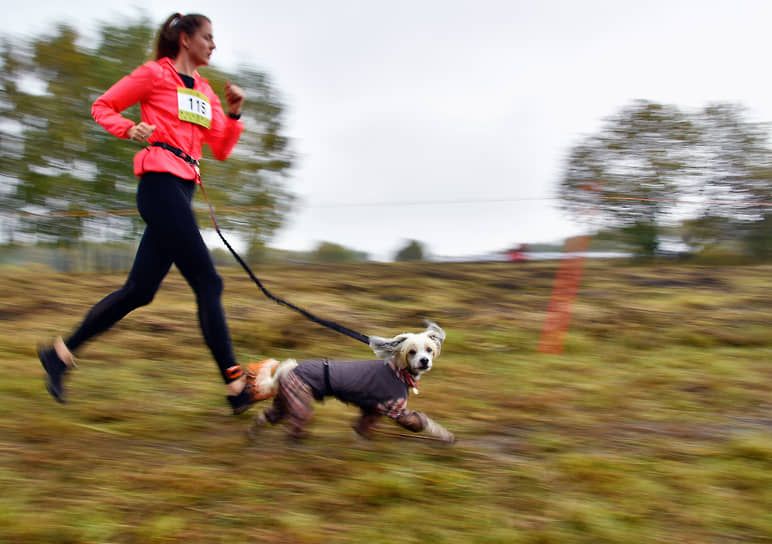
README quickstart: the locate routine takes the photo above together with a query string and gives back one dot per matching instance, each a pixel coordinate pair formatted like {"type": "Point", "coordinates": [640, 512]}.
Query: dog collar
{"type": "Point", "coordinates": [409, 379]}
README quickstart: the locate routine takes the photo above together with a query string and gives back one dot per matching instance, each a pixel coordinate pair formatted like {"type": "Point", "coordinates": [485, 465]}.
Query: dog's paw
{"type": "Point", "coordinates": [362, 433]}
{"type": "Point", "coordinates": [297, 437]}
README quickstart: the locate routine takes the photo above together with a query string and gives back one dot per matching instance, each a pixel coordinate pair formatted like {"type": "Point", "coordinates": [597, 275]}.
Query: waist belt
{"type": "Point", "coordinates": [177, 151]}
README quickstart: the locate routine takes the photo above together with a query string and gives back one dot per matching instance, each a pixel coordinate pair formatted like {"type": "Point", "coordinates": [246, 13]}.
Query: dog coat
{"type": "Point", "coordinates": [364, 383]}
{"type": "Point", "coordinates": [375, 386]}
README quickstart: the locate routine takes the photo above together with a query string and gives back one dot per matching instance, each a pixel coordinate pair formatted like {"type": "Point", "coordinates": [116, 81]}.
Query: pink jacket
{"type": "Point", "coordinates": [155, 86]}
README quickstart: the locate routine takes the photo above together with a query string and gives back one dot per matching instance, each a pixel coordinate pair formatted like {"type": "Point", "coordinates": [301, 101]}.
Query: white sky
{"type": "Point", "coordinates": [447, 121]}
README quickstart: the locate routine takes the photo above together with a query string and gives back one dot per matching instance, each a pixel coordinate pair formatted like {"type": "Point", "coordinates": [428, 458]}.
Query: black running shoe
{"type": "Point", "coordinates": [55, 368]}
{"type": "Point", "coordinates": [240, 403]}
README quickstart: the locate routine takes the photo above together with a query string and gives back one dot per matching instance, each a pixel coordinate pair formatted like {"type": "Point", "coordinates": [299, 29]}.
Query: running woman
{"type": "Point", "coordinates": [179, 112]}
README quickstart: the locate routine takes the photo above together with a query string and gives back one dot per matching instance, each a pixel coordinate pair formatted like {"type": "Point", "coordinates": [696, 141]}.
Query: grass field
{"type": "Point", "coordinates": [653, 426]}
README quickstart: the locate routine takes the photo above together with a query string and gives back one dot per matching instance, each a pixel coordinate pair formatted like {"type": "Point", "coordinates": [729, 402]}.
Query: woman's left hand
{"type": "Point", "coordinates": [234, 96]}
{"type": "Point", "coordinates": [140, 132]}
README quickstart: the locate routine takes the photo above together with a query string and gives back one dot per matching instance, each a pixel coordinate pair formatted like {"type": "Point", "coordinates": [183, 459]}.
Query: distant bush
{"type": "Point", "coordinates": [413, 251]}
{"type": "Point", "coordinates": [328, 252]}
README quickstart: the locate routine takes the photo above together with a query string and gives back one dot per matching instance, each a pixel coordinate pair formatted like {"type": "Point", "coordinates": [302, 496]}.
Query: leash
{"type": "Point", "coordinates": [405, 435]}
{"type": "Point", "coordinates": [321, 321]}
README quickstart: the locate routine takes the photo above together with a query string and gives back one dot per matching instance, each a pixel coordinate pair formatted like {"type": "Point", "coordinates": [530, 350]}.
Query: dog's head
{"type": "Point", "coordinates": [414, 352]}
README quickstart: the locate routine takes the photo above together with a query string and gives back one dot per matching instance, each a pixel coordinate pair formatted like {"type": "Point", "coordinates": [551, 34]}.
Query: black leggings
{"type": "Point", "coordinates": [171, 236]}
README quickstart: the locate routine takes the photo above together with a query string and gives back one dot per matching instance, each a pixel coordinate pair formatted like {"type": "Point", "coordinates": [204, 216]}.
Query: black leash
{"type": "Point", "coordinates": [325, 322]}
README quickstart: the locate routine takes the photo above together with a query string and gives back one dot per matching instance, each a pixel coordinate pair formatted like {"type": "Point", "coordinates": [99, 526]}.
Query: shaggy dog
{"type": "Point", "coordinates": [379, 387]}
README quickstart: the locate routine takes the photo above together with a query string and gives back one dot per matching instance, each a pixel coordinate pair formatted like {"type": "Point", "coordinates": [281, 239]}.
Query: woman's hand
{"type": "Point", "coordinates": [140, 132]}
{"type": "Point", "coordinates": [234, 96]}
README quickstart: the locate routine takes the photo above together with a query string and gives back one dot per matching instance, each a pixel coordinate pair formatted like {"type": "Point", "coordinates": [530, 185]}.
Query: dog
{"type": "Point", "coordinates": [378, 387]}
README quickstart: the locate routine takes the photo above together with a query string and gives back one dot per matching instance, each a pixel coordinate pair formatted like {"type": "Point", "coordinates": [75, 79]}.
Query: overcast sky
{"type": "Point", "coordinates": [448, 121]}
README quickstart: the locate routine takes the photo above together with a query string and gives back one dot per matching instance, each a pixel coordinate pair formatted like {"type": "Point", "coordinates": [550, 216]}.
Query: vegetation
{"type": "Point", "coordinates": [62, 171]}
{"type": "Point", "coordinates": [327, 252]}
{"type": "Point", "coordinates": [654, 425]}
{"type": "Point", "coordinates": [652, 165]}
{"type": "Point", "coordinates": [412, 251]}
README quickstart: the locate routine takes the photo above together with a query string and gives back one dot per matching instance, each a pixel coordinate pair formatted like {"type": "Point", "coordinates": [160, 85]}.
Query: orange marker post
{"type": "Point", "coordinates": [565, 288]}
{"type": "Point", "coordinates": [564, 291]}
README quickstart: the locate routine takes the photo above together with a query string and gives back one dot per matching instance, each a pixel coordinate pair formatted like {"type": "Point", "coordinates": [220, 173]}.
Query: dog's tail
{"type": "Point", "coordinates": [284, 368]}
{"type": "Point", "coordinates": [270, 375]}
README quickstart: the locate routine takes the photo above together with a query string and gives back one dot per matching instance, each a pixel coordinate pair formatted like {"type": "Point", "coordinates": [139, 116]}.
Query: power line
{"type": "Point", "coordinates": [403, 203]}
{"type": "Point", "coordinates": [680, 201]}
{"type": "Point", "coordinates": [328, 205]}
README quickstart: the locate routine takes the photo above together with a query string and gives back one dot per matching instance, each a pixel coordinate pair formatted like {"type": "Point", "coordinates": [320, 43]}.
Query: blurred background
{"type": "Point", "coordinates": [464, 131]}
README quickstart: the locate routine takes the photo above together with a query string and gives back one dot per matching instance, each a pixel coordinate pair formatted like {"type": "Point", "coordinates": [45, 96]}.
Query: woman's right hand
{"type": "Point", "coordinates": [140, 132]}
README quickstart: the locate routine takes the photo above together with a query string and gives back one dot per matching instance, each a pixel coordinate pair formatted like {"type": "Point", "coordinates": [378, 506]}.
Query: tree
{"type": "Point", "coordinates": [638, 172]}
{"type": "Point", "coordinates": [328, 252]}
{"type": "Point", "coordinates": [413, 251]}
{"type": "Point", "coordinates": [735, 182]}
{"type": "Point", "coordinates": [629, 174]}
{"type": "Point", "coordinates": [57, 162]}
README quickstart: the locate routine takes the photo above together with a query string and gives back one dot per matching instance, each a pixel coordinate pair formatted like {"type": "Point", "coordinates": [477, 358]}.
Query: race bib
{"type": "Point", "coordinates": [194, 107]}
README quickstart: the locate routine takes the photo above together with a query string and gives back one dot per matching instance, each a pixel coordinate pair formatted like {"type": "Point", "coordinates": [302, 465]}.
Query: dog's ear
{"type": "Point", "coordinates": [384, 347]}
{"type": "Point", "coordinates": [434, 332]}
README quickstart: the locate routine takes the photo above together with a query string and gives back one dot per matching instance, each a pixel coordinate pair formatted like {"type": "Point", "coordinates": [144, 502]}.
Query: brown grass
{"type": "Point", "coordinates": [653, 426]}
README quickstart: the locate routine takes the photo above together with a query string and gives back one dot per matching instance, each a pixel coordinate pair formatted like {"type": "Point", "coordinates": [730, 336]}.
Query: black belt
{"type": "Point", "coordinates": [177, 151]}
{"type": "Point", "coordinates": [327, 385]}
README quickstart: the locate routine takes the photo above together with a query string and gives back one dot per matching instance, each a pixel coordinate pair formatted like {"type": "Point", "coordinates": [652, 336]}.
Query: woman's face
{"type": "Point", "coordinates": [201, 44]}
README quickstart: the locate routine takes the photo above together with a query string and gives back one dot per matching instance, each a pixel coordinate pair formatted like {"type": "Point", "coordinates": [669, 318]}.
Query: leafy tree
{"type": "Point", "coordinates": [631, 174]}
{"type": "Point", "coordinates": [413, 251]}
{"type": "Point", "coordinates": [735, 179]}
{"type": "Point", "coordinates": [628, 175]}
{"type": "Point", "coordinates": [57, 162]}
